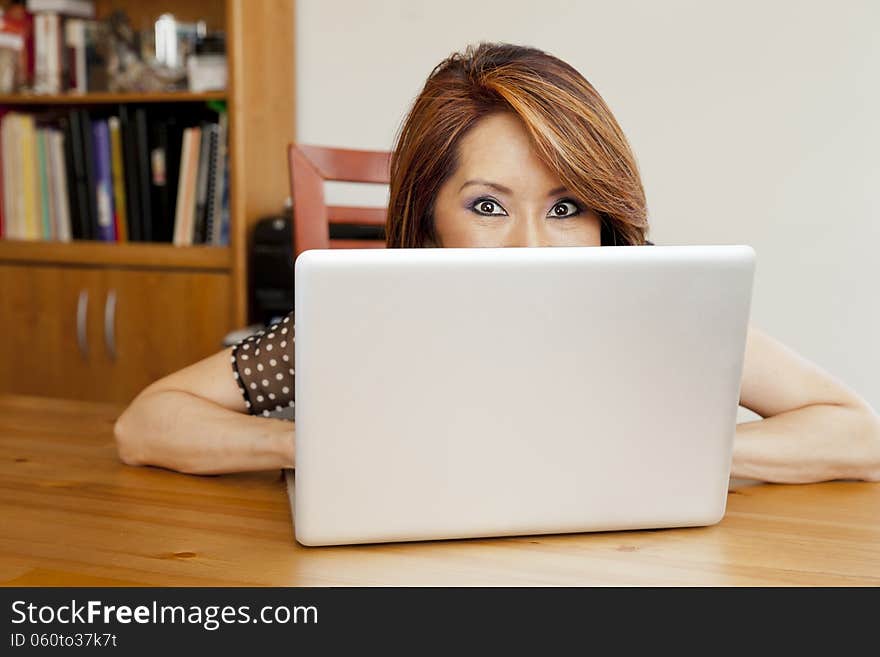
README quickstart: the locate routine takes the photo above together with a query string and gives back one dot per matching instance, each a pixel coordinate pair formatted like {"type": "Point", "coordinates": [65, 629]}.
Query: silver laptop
{"type": "Point", "coordinates": [453, 393]}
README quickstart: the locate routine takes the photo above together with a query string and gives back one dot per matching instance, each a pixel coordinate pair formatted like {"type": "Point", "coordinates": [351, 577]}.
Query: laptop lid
{"type": "Point", "coordinates": [451, 393]}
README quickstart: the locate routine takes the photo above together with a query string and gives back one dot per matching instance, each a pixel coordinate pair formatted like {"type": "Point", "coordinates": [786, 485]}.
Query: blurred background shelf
{"type": "Point", "coordinates": [99, 98]}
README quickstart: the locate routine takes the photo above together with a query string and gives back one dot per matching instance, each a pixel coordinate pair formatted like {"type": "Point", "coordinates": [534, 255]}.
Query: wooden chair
{"type": "Point", "coordinates": [310, 167]}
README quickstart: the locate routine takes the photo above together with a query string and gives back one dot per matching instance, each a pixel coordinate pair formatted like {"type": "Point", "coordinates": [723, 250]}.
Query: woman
{"type": "Point", "coordinates": [505, 146]}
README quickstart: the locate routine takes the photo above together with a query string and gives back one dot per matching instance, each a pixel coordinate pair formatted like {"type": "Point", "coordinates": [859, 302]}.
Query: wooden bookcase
{"type": "Point", "coordinates": [100, 321]}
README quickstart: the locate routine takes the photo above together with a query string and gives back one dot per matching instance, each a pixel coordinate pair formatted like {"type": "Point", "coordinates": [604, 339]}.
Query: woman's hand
{"type": "Point", "coordinates": [195, 421]}
{"type": "Point", "coordinates": [813, 428]}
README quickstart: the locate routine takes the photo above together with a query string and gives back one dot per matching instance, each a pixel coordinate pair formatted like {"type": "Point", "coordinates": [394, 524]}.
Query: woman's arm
{"type": "Point", "coordinates": [194, 421]}
{"type": "Point", "coordinates": [813, 428]}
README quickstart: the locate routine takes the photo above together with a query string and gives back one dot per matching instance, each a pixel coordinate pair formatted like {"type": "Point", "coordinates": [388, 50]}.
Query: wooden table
{"type": "Point", "coordinates": [72, 514]}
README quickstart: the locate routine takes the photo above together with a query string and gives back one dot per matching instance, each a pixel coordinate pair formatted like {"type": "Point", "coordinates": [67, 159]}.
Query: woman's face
{"type": "Point", "coordinates": [503, 195]}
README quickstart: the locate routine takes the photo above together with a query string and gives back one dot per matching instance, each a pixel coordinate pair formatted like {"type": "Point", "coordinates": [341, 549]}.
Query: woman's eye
{"type": "Point", "coordinates": [488, 207]}
{"type": "Point", "coordinates": [564, 209]}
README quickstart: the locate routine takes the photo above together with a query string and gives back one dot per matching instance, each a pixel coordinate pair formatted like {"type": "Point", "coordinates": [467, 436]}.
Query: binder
{"type": "Point", "coordinates": [77, 213]}
{"type": "Point", "coordinates": [166, 136]}
{"type": "Point", "coordinates": [117, 168]}
{"type": "Point", "coordinates": [103, 181]}
{"type": "Point", "coordinates": [130, 163]}
{"type": "Point", "coordinates": [207, 159]}
{"type": "Point", "coordinates": [216, 172]}
{"type": "Point", "coordinates": [142, 149]}
{"type": "Point", "coordinates": [86, 170]}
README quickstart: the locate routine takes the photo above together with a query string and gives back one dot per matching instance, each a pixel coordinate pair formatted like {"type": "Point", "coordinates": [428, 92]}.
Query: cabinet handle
{"type": "Point", "coordinates": [82, 316]}
{"type": "Point", "coordinates": [110, 324]}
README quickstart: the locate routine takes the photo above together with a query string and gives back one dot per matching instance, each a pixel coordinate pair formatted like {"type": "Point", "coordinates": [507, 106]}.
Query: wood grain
{"type": "Point", "coordinates": [262, 92]}
{"type": "Point", "coordinates": [40, 352]}
{"type": "Point", "coordinates": [74, 515]}
{"type": "Point", "coordinates": [132, 254]}
{"type": "Point", "coordinates": [164, 320]}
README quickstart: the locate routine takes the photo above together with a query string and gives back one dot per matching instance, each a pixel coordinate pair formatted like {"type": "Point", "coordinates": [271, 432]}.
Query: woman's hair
{"type": "Point", "coordinates": [572, 130]}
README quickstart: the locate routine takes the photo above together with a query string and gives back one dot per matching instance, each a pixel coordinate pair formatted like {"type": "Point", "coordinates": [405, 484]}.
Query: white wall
{"type": "Point", "coordinates": [753, 122]}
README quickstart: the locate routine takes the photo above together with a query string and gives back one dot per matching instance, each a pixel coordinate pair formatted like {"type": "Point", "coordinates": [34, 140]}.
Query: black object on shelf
{"type": "Point", "coordinates": [356, 232]}
{"type": "Point", "coordinates": [271, 268]}
{"type": "Point", "coordinates": [213, 43]}
{"type": "Point", "coordinates": [271, 263]}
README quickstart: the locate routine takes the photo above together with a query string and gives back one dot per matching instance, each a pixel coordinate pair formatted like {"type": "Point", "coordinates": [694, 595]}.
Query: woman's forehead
{"type": "Point", "coordinates": [499, 149]}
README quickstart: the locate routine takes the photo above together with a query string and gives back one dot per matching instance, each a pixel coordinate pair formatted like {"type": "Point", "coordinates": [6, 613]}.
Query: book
{"type": "Point", "coordinates": [50, 202]}
{"type": "Point", "coordinates": [76, 183]}
{"type": "Point", "coordinates": [2, 181]}
{"type": "Point", "coordinates": [178, 211]}
{"type": "Point", "coordinates": [2, 217]}
{"type": "Point", "coordinates": [130, 165]}
{"type": "Point", "coordinates": [120, 221]}
{"type": "Point", "coordinates": [47, 219]}
{"type": "Point", "coordinates": [17, 170]}
{"type": "Point", "coordinates": [174, 127]}
{"type": "Point", "coordinates": [103, 181]}
{"type": "Point", "coordinates": [181, 186]}
{"type": "Point", "coordinates": [86, 171]}
{"type": "Point", "coordinates": [41, 65]}
{"type": "Point", "coordinates": [166, 135]}
{"type": "Point", "coordinates": [214, 204]}
{"type": "Point", "coordinates": [224, 212]}
{"type": "Point", "coordinates": [33, 168]}
{"type": "Point", "coordinates": [154, 173]}
{"type": "Point", "coordinates": [95, 46]}
{"type": "Point", "coordinates": [166, 143]}
{"type": "Point", "coordinates": [75, 51]}
{"type": "Point", "coordinates": [17, 32]}
{"type": "Point", "coordinates": [69, 177]}
{"type": "Point", "coordinates": [142, 153]}
{"type": "Point", "coordinates": [30, 175]}
{"type": "Point", "coordinates": [206, 152]}
{"type": "Point", "coordinates": [47, 53]}
{"type": "Point", "coordinates": [185, 209]}
{"type": "Point", "coordinates": [59, 190]}
{"type": "Point", "coordinates": [10, 190]}
{"type": "Point", "coordinates": [13, 177]}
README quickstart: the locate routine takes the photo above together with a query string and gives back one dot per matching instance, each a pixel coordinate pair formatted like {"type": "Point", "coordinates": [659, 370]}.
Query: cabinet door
{"type": "Point", "coordinates": [156, 322]}
{"type": "Point", "coordinates": [50, 332]}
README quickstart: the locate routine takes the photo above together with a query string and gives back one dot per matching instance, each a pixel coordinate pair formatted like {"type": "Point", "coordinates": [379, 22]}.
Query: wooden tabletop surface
{"type": "Point", "coordinates": [72, 514]}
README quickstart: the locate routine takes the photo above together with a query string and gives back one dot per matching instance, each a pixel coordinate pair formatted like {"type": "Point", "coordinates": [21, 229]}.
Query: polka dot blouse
{"type": "Point", "coordinates": [262, 366]}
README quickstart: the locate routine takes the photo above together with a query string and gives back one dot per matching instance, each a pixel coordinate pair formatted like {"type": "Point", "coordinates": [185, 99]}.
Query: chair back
{"type": "Point", "coordinates": [310, 168]}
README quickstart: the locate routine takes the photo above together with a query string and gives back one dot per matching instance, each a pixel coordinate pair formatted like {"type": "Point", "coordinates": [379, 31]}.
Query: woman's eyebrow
{"type": "Point", "coordinates": [496, 186]}
{"type": "Point", "coordinates": [506, 190]}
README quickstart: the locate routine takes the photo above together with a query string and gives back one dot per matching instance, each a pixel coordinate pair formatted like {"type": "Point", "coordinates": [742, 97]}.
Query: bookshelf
{"type": "Point", "coordinates": [170, 305]}
{"type": "Point", "coordinates": [100, 98]}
